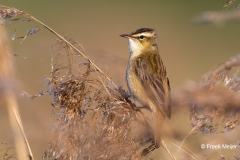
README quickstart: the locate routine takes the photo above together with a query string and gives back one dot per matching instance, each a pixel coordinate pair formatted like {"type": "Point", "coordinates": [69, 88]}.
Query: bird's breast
{"type": "Point", "coordinates": [134, 86]}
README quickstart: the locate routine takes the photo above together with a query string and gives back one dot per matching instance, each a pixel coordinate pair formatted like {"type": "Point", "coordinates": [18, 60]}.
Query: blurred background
{"type": "Point", "coordinates": [187, 49]}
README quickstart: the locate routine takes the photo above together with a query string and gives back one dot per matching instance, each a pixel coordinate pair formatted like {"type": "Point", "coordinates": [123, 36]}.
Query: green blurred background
{"type": "Point", "coordinates": [188, 51]}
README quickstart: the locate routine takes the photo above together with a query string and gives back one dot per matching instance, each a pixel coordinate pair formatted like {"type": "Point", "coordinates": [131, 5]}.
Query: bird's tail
{"type": "Point", "coordinates": [158, 119]}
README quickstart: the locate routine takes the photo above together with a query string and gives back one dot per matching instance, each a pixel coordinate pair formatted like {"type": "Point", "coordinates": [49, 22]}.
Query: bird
{"type": "Point", "coordinates": [147, 79]}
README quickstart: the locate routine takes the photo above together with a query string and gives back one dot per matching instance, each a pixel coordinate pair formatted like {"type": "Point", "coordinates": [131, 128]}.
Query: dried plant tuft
{"type": "Point", "coordinates": [214, 102]}
{"type": "Point", "coordinates": [96, 121]}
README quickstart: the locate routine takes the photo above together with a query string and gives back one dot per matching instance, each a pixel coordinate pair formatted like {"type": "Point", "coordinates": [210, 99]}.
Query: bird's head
{"type": "Point", "coordinates": [142, 39]}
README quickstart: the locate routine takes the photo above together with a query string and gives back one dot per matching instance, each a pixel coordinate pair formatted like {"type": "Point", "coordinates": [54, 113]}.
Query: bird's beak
{"type": "Point", "coordinates": [126, 36]}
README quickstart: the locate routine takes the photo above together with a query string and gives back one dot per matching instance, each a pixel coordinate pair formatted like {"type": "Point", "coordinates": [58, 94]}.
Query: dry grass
{"type": "Point", "coordinates": [8, 87]}
{"type": "Point", "coordinates": [214, 102]}
{"type": "Point", "coordinates": [97, 120]}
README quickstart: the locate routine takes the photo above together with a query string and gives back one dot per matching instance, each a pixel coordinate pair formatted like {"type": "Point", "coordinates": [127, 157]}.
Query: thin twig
{"type": "Point", "coordinates": [184, 139]}
{"type": "Point", "coordinates": [11, 103]}
{"type": "Point", "coordinates": [195, 158]}
{"type": "Point", "coordinates": [163, 144]}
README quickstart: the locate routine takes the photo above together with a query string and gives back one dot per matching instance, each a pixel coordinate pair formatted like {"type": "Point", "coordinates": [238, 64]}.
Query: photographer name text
{"type": "Point", "coordinates": [219, 146]}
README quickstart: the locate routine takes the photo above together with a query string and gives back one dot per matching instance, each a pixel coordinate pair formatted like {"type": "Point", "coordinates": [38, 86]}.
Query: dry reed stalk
{"type": "Point", "coordinates": [7, 96]}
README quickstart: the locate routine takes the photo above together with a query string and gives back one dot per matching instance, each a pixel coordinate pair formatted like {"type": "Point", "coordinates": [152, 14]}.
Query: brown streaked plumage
{"type": "Point", "coordinates": [147, 78]}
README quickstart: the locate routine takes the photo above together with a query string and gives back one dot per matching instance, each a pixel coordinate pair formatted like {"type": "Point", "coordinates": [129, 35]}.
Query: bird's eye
{"type": "Point", "coordinates": [141, 37]}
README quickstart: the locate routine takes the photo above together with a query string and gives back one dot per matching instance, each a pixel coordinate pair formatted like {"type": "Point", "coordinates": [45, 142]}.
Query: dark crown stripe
{"type": "Point", "coordinates": [141, 30]}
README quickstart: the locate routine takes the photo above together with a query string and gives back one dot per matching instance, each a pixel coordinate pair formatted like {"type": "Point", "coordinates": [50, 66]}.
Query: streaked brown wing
{"type": "Point", "coordinates": [154, 80]}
